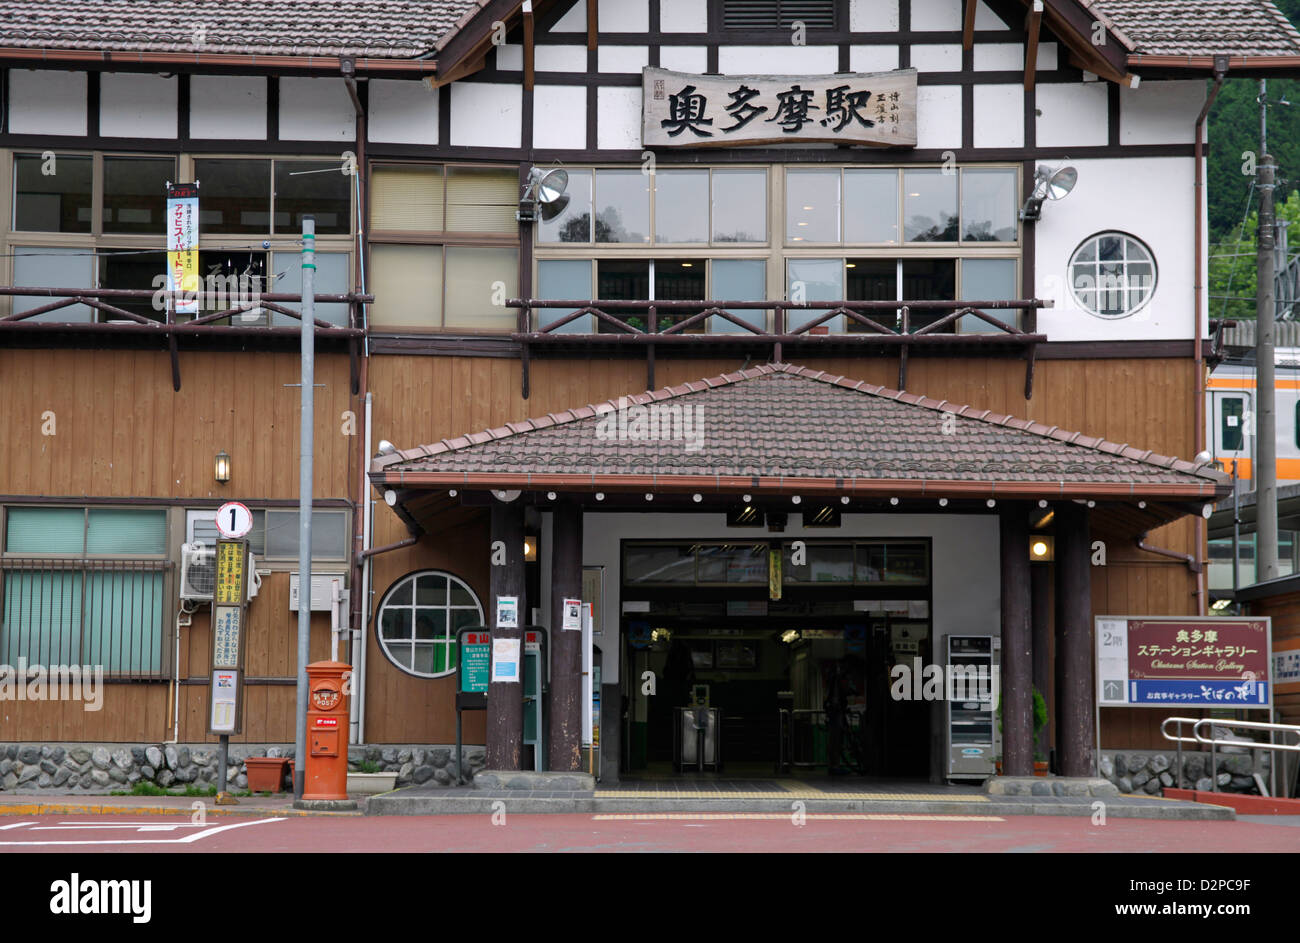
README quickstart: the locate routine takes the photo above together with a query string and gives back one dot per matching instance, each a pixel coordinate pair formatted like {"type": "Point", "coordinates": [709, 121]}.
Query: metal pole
{"type": "Point", "coordinates": [223, 751]}
{"type": "Point", "coordinates": [1236, 532]}
{"type": "Point", "coordinates": [1266, 423]}
{"type": "Point", "coordinates": [307, 397]}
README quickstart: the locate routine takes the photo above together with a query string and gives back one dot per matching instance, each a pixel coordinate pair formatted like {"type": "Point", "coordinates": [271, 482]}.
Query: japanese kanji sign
{"type": "Point", "coordinates": [231, 556]}
{"type": "Point", "coordinates": [684, 110]}
{"type": "Point", "coordinates": [1182, 660]}
{"type": "Point", "coordinates": [229, 625]}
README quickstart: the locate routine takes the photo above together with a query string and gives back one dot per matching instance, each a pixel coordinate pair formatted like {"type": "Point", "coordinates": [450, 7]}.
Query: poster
{"type": "Point", "coordinates": [225, 700]}
{"type": "Point", "coordinates": [571, 618]}
{"type": "Point", "coordinates": [475, 659]}
{"type": "Point", "coordinates": [505, 660]}
{"type": "Point", "coordinates": [183, 244]}
{"type": "Point", "coordinates": [507, 612]}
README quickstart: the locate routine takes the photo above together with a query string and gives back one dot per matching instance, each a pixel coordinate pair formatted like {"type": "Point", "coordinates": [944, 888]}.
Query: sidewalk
{"type": "Point", "coordinates": [43, 803]}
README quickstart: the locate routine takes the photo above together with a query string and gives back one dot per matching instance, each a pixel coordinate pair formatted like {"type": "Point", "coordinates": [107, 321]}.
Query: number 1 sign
{"type": "Point", "coordinates": [234, 520]}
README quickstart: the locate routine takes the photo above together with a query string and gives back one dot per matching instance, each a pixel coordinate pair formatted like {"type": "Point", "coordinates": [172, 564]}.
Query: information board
{"type": "Point", "coordinates": [227, 621]}
{"type": "Point", "coordinates": [1147, 661]}
{"type": "Point", "coordinates": [475, 661]}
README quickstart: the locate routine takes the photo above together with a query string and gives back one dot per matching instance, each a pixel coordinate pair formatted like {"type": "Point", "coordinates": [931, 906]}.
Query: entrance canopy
{"type": "Point", "coordinates": [785, 430]}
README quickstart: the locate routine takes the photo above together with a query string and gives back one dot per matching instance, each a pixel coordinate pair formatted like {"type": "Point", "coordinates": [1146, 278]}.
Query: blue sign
{"type": "Point", "coordinates": [1199, 693]}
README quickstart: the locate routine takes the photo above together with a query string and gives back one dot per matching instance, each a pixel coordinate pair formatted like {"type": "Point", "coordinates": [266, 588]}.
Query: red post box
{"type": "Point", "coordinates": [326, 774]}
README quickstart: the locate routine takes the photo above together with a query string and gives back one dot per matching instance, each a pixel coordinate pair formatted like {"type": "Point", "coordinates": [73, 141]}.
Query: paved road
{"type": "Point", "coordinates": [663, 832]}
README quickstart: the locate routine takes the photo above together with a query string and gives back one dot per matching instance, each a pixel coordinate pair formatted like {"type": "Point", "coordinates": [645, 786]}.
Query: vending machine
{"type": "Point", "coordinates": [974, 740]}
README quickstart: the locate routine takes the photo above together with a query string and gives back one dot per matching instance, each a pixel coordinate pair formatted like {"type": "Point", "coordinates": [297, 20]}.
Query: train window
{"type": "Point", "coordinates": [1231, 425]}
{"type": "Point", "coordinates": [1297, 425]}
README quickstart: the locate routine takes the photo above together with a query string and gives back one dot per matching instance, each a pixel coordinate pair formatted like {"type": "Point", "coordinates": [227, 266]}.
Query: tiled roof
{"type": "Point", "coordinates": [1198, 27]}
{"type": "Point", "coordinates": [367, 28]}
{"type": "Point", "coordinates": [781, 421]}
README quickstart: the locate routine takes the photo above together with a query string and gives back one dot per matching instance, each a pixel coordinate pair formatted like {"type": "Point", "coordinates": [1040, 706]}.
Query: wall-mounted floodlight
{"type": "Point", "coordinates": [543, 195]}
{"type": "Point", "coordinates": [1048, 185]}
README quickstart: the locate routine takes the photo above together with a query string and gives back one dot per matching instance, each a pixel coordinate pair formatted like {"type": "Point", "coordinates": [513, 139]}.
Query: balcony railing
{"type": "Point", "coordinates": [888, 326]}
{"type": "Point", "coordinates": [167, 326]}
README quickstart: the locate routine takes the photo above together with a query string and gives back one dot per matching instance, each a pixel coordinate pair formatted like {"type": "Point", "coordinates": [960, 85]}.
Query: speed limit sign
{"type": "Point", "coordinates": [234, 520]}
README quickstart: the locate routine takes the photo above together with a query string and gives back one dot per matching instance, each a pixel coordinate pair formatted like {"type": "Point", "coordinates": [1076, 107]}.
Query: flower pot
{"type": "Point", "coordinates": [265, 773]}
{"type": "Point", "coordinates": [1040, 767]}
{"type": "Point", "coordinates": [370, 784]}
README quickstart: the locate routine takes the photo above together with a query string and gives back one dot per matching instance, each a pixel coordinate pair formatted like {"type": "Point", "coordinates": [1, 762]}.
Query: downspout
{"type": "Point", "coordinates": [1198, 291]}
{"type": "Point", "coordinates": [1192, 564]}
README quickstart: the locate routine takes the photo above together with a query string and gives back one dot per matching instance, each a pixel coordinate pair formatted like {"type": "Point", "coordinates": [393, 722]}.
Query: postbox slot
{"type": "Point", "coordinates": [324, 743]}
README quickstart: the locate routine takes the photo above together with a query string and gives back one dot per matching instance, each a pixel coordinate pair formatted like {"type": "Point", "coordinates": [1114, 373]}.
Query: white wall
{"type": "Point", "coordinates": [228, 107]}
{"type": "Point", "coordinates": [560, 116]}
{"type": "Point", "coordinates": [486, 114]}
{"type": "Point", "coordinates": [964, 566]}
{"type": "Point", "coordinates": [137, 105]}
{"type": "Point", "coordinates": [45, 101]}
{"type": "Point", "coordinates": [618, 118]}
{"type": "Point", "coordinates": [1150, 198]}
{"type": "Point", "coordinates": [316, 110]}
{"type": "Point", "coordinates": [938, 116]}
{"type": "Point", "coordinates": [683, 16]}
{"type": "Point", "coordinates": [1073, 115]}
{"type": "Point", "coordinates": [1160, 112]}
{"type": "Point", "coordinates": [778, 60]}
{"type": "Point", "coordinates": [402, 112]}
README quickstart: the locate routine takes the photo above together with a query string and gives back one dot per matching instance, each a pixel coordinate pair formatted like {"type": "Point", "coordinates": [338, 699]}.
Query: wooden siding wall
{"type": "Point", "coordinates": [419, 400]}
{"type": "Point", "coordinates": [1285, 613]}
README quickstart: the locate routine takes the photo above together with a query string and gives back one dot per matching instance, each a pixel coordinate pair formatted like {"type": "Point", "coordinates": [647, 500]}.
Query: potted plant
{"type": "Point", "coordinates": [369, 779]}
{"type": "Point", "coordinates": [1040, 721]}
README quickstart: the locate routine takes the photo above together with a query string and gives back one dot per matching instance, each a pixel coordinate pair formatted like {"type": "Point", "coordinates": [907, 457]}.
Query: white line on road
{"type": "Point", "coordinates": [146, 841]}
{"type": "Point", "coordinates": [15, 825]}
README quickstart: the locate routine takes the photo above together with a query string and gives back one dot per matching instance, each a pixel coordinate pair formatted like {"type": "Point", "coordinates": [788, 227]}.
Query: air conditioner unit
{"type": "Point", "coordinates": [198, 571]}
{"type": "Point", "coordinates": [321, 600]}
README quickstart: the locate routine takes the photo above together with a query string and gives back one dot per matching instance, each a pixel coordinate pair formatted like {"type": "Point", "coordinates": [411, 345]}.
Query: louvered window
{"type": "Point", "coordinates": [777, 14]}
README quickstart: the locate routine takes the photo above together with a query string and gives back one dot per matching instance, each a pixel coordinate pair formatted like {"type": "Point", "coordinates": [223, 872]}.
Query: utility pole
{"type": "Point", "coordinates": [307, 396]}
{"type": "Point", "coordinates": [1265, 473]}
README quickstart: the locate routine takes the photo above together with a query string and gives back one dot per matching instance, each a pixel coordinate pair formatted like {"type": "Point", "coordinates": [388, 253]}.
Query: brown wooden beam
{"type": "Point", "coordinates": [1017, 654]}
{"type": "Point", "coordinates": [592, 24]}
{"type": "Point", "coordinates": [1033, 21]}
{"type": "Point", "coordinates": [968, 25]}
{"type": "Point", "coordinates": [505, 700]}
{"type": "Point", "coordinates": [565, 718]}
{"type": "Point", "coordinates": [528, 47]}
{"type": "Point", "coordinates": [1040, 587]}
{"type": "Point", "coordinates": [1075, 731]}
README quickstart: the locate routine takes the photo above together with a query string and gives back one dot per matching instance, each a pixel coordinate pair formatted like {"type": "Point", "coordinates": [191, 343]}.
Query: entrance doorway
{"type": "Point", "coordinates": [761, 657]}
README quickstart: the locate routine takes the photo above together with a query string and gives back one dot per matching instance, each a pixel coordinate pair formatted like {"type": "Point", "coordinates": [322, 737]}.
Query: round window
{"type": "Point", "coordinates": [418, 620]}
{"type": "Point", "coordinates": [1112, 275]}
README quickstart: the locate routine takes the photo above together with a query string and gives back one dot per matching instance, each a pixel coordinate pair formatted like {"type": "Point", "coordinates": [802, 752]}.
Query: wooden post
{"type": "Point", "coordinates": [505, 700]}
{"type": "Point", "coordinates": [565, 713]}
{"type": "Point", "coordinates": [1040, 579]}
{"type": "Point", "coordinates": [1017, 691]}
{"type": "Point", "coordinates": [1075, 733]}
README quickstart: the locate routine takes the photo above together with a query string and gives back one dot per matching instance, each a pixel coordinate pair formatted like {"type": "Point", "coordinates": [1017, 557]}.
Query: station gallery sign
{"type": "Point", "coordinates": [686, 110]}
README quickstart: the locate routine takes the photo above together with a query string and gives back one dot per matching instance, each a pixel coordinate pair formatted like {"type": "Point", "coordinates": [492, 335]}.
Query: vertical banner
{"type": "Point", "coordinates": [183, 244]}
{"type": "Point", "coordinates": [229, 634]}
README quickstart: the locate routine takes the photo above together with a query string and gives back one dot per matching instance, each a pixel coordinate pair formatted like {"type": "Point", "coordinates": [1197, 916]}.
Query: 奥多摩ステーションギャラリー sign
{"type": "Point", "coordinates": [684, 110]}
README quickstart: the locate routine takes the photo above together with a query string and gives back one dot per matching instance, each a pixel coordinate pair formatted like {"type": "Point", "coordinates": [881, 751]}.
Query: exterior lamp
{"type": "Point", "coordinates": [1042, 548]}
{"type": "Point", "coordinates": [530, 550]}
{"type": "Point", "coordinates": [221, 468]}
{"type": "Point", "coordinates": [1048, 185]}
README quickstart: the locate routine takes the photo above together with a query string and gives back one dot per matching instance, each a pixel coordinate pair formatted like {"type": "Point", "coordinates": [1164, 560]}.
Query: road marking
{"type": "Point", "coordinates": [786, 816]}
{"type": "Point", "coordinates": [15, 825]}
{"type": "Point", "coordinates": [185, 840]}
{"type": "Point", "coordinates": [785, 794]}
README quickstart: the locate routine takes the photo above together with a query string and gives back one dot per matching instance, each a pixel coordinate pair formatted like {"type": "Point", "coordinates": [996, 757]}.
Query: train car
{"type": "Point", "coordinates": [1231, 404]}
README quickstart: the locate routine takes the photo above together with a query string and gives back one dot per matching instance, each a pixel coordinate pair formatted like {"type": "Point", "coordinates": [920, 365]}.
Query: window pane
{"type": "Point", "coordinates": [235, 195]}
{"type": "Point", "coordinates": [739, 280]}
{"type": "Point", "coordinates": [680, 280]}
{"type": "Point", "coordinates": [138, 270]}
{"type": "Point", "coordinates": [873, 280]}
{"type": "Point", "coordinates": [929, 206]}
{"type": "Point", "coordinates": [812, 206]}
{"type": "Point", "coordinates": [333, 276]}
{"type": "Point", "coordinates": [929, 280]}
{"type": "Point", "coordinates": [328, 535]}
{"type": "Point", "coordinates": [126, 531]}
{"type": "Point", "coordinates": [409, 292]}
{"type": "Point", "coordinates": [482, 199]}
{"type": "Point", "coordinates": [431, 590]}
{"type": "Point", "coordinates": [659, 563]}
{"type": "Point", "coordinates": [395, 623]}
{"type": "Point", "coordinates": [740, 206]}
{"type": "Point", "coordinates": [988, 280]}
{"type": "Point", "coordinates": [124, 622]}
{"type": "Point", "coordinates": [312, 188]}
{"type": "Point", "coordinates": [815, 280]}
{"type": "Point", "coordinates": [42, 620]}
{"type": "Point", "coordinates": [430, 624]}
{"type": "Point", "coordinates": [573, 224]}
{"type": "Point", "coordinates": [476, 280]}
{"type": "Point", "coordinates": [53, 201]}
{"type": "Point", "coordinates": [135, 193]}
{"type": "Point", "coordinates": [203, 530]}
{"type": "Point", "coordinates": [682, 206]}
{"type": "Point", "coordinates": [45, 530]}
{"type": "Point", "coordinates": [622, 206]}
{"type": "Point", "coordinates": [1232, 428]}
{"type": "Point", "coordinates": [53, 268]}
{"type": "Point", "coordinates": [988, 205]}
{"type": "Point", "coordinates": [871, 206]}
{"type": "Point", "coordinates": [618, 280]}
{"type": "Point", "coordinates": [564, 280]}
{"type": "Point", "coordinates": [406, 198]}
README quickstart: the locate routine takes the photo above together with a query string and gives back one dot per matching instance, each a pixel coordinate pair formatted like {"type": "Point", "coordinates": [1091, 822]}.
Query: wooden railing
{"type": "Point", "coordinates": [167, 327]}
{"type": "Point", "coordinates": [919, 324]}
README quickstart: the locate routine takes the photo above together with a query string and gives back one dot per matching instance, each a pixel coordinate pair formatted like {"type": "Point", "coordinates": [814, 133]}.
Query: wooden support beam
{"type": "Point", "coordinates": [1075, 721]}
{"type": "Point", "coordinates": [592, 23]}
{"type": "Point", "coordinates": [528, 46]}
{"type": "Point", "coordinates": [1040, 588]}
{"type": "Point", "coordinates": [1033, 22]}
{"type": "Point", "coordinates": [505, 700]}
{"type": "Point", "coordinates": [968, 25]}
{"type": "Point", "coordinates": [564, 736]}
{"type": "Point", "coordinates": [1017, 654]}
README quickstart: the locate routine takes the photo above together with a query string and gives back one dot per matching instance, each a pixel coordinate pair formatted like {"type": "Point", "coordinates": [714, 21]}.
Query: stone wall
{"type": "Point", "coordinates": [1148, 771]}
{"type": "Point", "coordinates": [90, 768]}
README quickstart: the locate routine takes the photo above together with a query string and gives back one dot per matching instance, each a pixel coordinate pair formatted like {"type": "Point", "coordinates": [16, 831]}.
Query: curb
{"type": "Point", "coordinates": [79, 808]}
